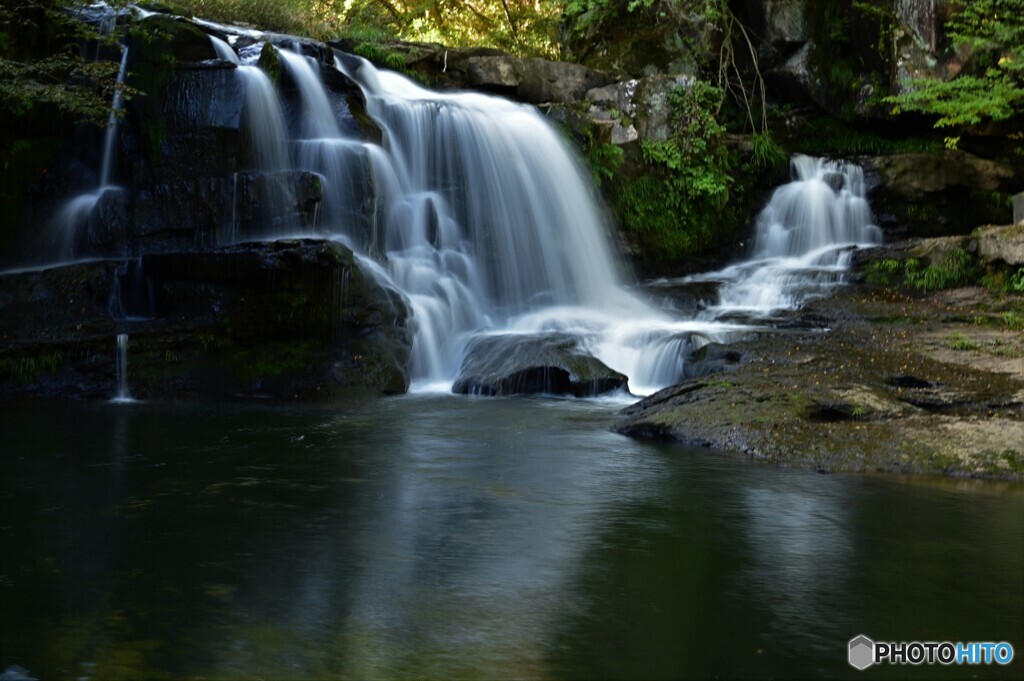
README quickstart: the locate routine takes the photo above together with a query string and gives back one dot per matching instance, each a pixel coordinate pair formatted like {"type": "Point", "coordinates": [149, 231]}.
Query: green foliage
{"type": "Point", "coordinates": [678, 206]}
{"type": "Point", "coordinates": [521, 27]}
{"type": "Point", "coordinates": [24, 369]}
{"type": "Point", "coordinates": [994, 31]}
{"type": "Point", "coordinates": [960, 342]}
{"type": "Point", "coordinates": [287, 16]}
{"type": "Point", "coordinates": [604, 160]}
{"type": "Point", "coordinates": [950, 270]}
{"type": "Point", "coordinates": [881, 272]}
{"type": "Point", "coordinates": [41, 63]}
{"type": "Point", "coordinates": [767, 152]}
{"type": "Point", "coordinates": [1013, 320]}
{"type": "Point", "coordinates": [826, 135]}
{"type": "Point", "coordinates": [1017, 281]}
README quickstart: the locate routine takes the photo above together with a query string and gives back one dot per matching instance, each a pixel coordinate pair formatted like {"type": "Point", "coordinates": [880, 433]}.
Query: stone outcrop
{"type": "Point", "coordinates": [526, 364]}
{"type": "Point", "coordinates": [286, 320]}
{"type": "Point", "coordinates": [1001, 243]}
{"type": "Point", "coordinates": [937, 194]}
{"type": "Point", "coordinates": [534, 81]}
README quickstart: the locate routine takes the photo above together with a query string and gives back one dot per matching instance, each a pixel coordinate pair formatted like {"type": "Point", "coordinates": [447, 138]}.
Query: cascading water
{"type": "Point", "coordinates": [267, 144]}
{"type": "Point", "coordinates": [490, 227]}
{"type": "Point", "coordinates": [122, 369]}
{"type": "Point", "coordinates": [805, 236]}
{"type": "Point", "coordinates": [474, 208]}
{"type": "Point", "coordinates": [65, 225]}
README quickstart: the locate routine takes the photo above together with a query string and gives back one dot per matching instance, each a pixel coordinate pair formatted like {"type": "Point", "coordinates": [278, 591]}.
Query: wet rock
{"type": "Point", "coordinates": [786, 25]}
{"type": "Point", "coordinates": [654, 107]}
{"type": "Point", "coordinates": [615, 107]}
{"type": "Point", "coordinates": [285, 320]}
{"type": "Point", "coordinates": [885, 389]}
{"type": "Point", "coordinates": [711, 359]}
{"type": "Point", "coordinates": [918, 37]}
{"type": "Point", "coordinates": [641, 40]}
{"type": "Point", "coordinates": [177, 37]}
{"type": "Point", "coordinates": [525, 364]}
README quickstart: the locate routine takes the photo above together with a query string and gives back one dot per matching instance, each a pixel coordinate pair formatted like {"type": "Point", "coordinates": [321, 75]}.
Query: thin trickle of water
{"type": "Point", "coordinates": [76, 211]}
{"type": "Point", "coordinates": [110, 137]}
{"type": "Point", "coordinates": [122, 369]}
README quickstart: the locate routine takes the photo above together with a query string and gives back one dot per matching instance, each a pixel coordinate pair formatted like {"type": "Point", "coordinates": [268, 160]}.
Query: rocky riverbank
{"type": "Point", "coordinates": [875, 378]}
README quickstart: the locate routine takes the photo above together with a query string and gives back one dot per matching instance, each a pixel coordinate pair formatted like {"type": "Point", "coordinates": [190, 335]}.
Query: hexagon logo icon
{"type": "Point", "coordinates": [862, 652]}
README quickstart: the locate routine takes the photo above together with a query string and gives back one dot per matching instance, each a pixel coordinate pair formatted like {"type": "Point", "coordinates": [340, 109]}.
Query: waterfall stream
{"type": "Point", "coordinates": [121, 366]}
{"type": "Point", "coordinates": [804, 239]}
{"type": "Point", "coordinates": [475, 208]}
{"type": "Point", "coordinates": [76, 211]}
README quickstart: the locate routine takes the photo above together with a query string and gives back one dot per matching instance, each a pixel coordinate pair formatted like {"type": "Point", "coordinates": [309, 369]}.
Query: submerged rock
{"type": "Point", "coordinates": [524, 364]}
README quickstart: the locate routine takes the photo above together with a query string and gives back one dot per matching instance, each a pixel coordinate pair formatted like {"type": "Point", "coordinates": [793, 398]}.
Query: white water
{"type": "Point", "coordinates": [106, 167]}
{"type": "Point", "coordinates": [805, 236]}
{"type": "Point", "coordinates": [223, 50]}
{"type": "Point", "coordinates": [476, 210]}
{"type": "Point", "coordinates": [490, 226]}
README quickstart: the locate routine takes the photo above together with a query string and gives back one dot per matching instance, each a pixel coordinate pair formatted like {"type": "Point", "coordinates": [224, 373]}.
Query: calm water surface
{"type": "Point", "coordinates": [469, 538]}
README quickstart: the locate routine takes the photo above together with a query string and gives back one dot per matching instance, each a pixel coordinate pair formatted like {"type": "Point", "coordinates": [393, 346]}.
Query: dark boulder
{"type": "Point", "coordinates": [525, 364]}
{"type": "Point", "coordinates": [929, 195]}
{"type": "Point", "coordinates": [285, 320]}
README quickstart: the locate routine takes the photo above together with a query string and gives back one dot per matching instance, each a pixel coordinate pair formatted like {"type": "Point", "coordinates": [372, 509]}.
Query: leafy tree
{"type": "Point", "coordinates": [992, 31]}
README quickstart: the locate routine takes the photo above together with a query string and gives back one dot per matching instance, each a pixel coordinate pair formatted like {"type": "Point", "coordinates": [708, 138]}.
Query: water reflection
{"type": "Point", "coordinates": [439, 537]}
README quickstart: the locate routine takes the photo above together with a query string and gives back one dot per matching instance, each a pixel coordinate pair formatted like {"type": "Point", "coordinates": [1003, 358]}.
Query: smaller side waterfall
{"type": "Point", "coordinates": [76, 212]}
{"type": "Point", "coordinates": [804, 239]}
{"type": "Point", "coordinates": [122, 369]}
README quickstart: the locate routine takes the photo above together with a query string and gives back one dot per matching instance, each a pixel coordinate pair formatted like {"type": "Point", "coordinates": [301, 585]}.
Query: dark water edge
{"type": "Point", "coordinates": [446, 537]}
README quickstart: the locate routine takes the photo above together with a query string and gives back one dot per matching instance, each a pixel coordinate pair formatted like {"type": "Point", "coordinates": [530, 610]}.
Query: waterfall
{"type": "Point", "coordinates": [490, 225]}
{"type": "Point", "coordinates": [122, 369]}
{"type": "Point", "coordinates": [476, 209]}
{"type": "Point", "coordinates": [473, 206]}
{"type": "Point", "coordinates": [224, 50]}
{"type": "Point", "coordinates": [76, 211]}
{"type": "Point", "coordinates": [804, 239]}
{"type": "Point", "coordinates": [107, 165]}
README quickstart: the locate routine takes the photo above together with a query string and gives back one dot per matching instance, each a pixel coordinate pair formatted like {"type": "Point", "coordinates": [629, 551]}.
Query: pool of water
{"type": "Point", "coordinates": [445, 537]}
